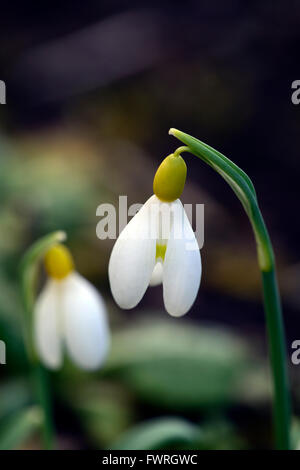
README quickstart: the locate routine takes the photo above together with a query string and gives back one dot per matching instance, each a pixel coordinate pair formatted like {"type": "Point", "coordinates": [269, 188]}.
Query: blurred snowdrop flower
{"type": "Point", "coordinates": [70, 313]}
{"type": "Point", "coordinates": [158, 246]}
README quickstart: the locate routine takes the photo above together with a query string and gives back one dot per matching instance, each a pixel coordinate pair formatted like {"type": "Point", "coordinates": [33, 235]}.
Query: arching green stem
{"type": "Point", "coordinates": [245, 191]}
{"type": "Point", "coordinates": [28, 274]}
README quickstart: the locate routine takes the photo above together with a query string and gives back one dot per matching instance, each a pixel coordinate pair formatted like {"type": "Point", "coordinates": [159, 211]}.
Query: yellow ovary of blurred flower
{"type": "Point", "coordinates": [59, 262]}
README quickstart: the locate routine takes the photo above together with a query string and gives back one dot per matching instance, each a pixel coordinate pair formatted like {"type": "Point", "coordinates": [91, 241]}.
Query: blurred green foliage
{"type": "Point", "coordinates": [164, 365]}
{"type": "Point", "coordinates": [178, 365]}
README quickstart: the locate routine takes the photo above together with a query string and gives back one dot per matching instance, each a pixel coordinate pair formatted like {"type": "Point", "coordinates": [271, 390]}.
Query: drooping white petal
{"type": "Point", "coordinates": [86, 330]}
{"type": "Point", "coordinates": [182, 265]}
{"type": "Point", "coordinates": [47, 327]}
{"type": "Point", "coordinates": [157, 275]}
{"type": "Point", "coordinates": [133, 256]}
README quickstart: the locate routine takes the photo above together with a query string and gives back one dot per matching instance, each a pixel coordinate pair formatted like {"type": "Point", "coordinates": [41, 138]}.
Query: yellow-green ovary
{"type": "Point", "coordinates": [170, 178]}
{"type": "Point", "coordinates": [59, 262]}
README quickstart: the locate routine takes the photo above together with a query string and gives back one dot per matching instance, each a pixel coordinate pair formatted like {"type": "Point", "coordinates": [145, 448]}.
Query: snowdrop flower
{"type": "Point", "coordinates": [70, 313]}
{"type": "Point", "coordinates": [158, 246]}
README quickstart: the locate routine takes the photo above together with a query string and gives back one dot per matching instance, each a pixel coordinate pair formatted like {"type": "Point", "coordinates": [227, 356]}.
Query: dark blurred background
{"type": "Point", "coordinates": [92, 89]}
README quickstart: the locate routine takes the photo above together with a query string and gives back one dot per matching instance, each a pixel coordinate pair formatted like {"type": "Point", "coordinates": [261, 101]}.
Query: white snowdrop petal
{"type": "Point", "coordinates": [47, 335]}
{"type": "Point", "coordinates": [86, 330]}
{"type": "Point", "coordinates": [133, 256]}
{"type": "Point", "coordinates": [182, 265]}
{"type": "Point", "coordinates": [157, 275]}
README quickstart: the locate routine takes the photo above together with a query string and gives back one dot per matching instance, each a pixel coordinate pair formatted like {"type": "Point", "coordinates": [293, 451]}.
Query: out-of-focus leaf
{"type": "Point", "coordinates": [255, 386]}
{"type": "Point", "coordinates": [15, 430]}
{"type": "Point", "coordinates": [105, 409]}
{"type": "Point", "coordinates": [14, 394]}
{"type": "Point", "coordinates": [219, 434]}
{"type": "Point", "coordinates": [157, 434]}
{"type": "Point", "coordinates": [177, 365]}
{"type": "Point", "coordinates": [36, 181]}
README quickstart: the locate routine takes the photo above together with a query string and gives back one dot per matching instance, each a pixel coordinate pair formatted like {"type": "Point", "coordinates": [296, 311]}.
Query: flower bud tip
{"type": "Point", "coordinates": [172, 131]}
{"type": "Point", "coordinates": [61, 236]}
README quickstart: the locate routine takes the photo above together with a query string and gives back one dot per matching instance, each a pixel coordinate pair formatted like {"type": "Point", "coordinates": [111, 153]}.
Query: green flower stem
{"type": "Point", "coordinates": [42, 387]}
{"type": "Point", "coordinates": [29, 272]}
{"type": "Point", "coordinates": [277, 357]}
{"type": "Point", "coordinates": [245, 191]}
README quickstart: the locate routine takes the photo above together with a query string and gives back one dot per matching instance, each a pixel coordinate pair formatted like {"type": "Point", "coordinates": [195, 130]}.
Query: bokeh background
{"type": "Point", "coordinates": [92, 89]}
